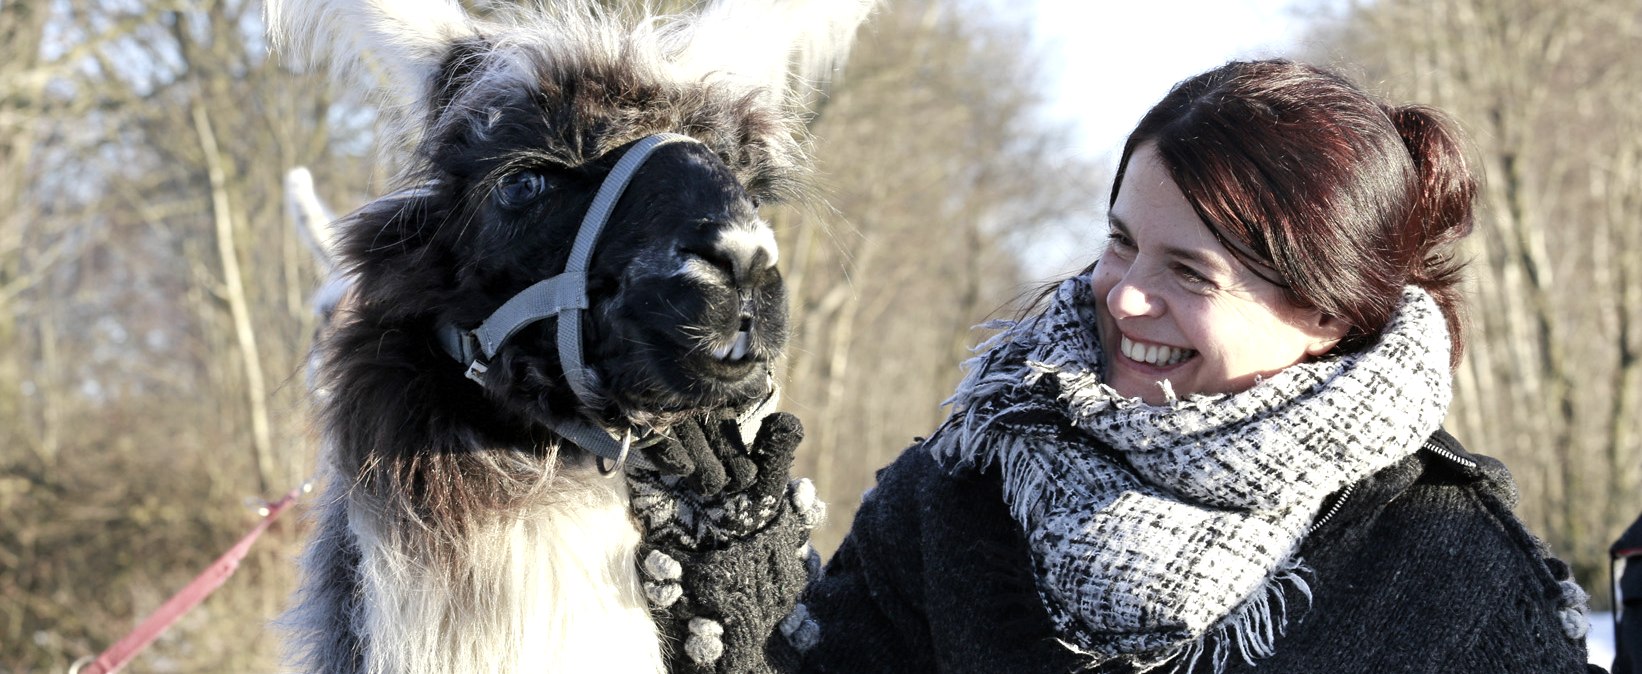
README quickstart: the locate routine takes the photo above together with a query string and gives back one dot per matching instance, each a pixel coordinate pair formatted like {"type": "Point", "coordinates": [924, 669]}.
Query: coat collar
{"type": "Point", "coordinates": [1442, 460]}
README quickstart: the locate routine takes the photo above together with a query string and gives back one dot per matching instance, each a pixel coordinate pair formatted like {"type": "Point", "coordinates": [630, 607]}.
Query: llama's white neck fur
{"type": "Point", "coordinates": [552, 587]}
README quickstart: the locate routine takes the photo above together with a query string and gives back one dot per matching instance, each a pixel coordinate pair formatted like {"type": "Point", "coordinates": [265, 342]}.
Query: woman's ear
{"type": "Point", "coordinates": [1326, 331]}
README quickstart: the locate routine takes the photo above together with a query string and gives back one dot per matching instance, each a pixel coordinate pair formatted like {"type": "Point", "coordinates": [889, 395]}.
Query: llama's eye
{"type": "Point", "coordinates": [521, 188]}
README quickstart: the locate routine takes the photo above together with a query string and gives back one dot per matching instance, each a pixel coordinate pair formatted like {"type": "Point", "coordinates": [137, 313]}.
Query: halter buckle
{"type": "Point", "coordinates": [621, 458]}
{"type": "Point", "coordinates": [477, 369]}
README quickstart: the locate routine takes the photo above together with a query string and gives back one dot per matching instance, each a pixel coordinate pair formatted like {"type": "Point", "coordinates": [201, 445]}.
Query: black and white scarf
{"type": "Point", "coordinates": [1164, 533]}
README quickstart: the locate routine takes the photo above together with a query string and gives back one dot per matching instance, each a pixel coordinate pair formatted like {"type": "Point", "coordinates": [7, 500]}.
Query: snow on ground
{"type": "Point", "coordinates": [1600, 640]}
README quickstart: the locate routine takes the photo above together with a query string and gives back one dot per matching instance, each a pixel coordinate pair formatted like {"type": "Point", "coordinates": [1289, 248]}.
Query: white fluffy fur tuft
{"type": "Point", "coordinates": [403, 39]}
{"type": "Point", "coordinates": [768, 43]}
{"type": "Point", "coordinates": [551, 588]}
{"type": "Point", "coordinates": [395, 46]}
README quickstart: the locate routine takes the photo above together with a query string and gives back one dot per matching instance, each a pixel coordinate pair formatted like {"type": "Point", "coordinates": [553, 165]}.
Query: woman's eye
{"type": "Point", "coordinates": [1190, 276]}
{"type": "Point", "coordinates": [1118, 239]}
{"type": "Point", "coordinates": [521, 188]}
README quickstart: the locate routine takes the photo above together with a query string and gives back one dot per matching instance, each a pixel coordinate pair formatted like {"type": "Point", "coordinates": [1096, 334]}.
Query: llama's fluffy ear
{"type": "Point", "coordinates": [767, 42]}
{"type": "Point", "coordinates": [394, 46]}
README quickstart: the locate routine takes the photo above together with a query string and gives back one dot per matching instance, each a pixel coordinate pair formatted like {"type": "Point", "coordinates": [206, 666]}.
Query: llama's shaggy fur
{"type": "Point", "coordinates": [545, 586]}
{"type": "Point", "coordinates": [457, 533]}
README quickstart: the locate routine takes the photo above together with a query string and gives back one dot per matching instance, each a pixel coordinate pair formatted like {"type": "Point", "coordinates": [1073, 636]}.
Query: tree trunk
{"type": "Point", "coordinates": [238, 306]}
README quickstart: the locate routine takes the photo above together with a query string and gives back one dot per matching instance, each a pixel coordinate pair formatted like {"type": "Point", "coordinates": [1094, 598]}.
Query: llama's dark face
{"type": "Point", "coordinates": [691, 308]}
{"type": "Point", "coordinates": [687, 308]}
{"type": "Point", "coordinates": [519, 130]}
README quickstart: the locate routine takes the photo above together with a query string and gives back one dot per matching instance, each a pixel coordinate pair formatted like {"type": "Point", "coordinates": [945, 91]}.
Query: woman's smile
{"type": "Point", "coordinates": [1155, 355]}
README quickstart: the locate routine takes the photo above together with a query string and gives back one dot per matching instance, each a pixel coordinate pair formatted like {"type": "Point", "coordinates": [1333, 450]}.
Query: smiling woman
{"type": "Point", "coordinates": [1219, 448]}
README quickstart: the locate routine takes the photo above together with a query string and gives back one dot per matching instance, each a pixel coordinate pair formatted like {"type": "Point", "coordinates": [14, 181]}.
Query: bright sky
{"type": "Point", "coordinates": [1113, 59]}
{"type": "Point", "coordinates": [1118, 57]}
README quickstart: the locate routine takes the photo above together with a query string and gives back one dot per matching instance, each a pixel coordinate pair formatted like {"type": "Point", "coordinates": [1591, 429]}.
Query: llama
{"type": "Point", "coordinates": [475, 517]}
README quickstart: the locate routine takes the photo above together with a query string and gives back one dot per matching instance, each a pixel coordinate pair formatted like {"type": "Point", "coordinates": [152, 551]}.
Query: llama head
{"type": "Point", "coordinates": [515, 122]}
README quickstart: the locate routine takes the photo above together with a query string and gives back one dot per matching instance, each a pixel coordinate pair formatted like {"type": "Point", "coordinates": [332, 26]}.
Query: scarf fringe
{"type": "Point", "coordinates": [973, 446]}
{"type": "Point", "coordinates": [1024, 490]}
{"type": "Point", "coordinates": [1252, 630]}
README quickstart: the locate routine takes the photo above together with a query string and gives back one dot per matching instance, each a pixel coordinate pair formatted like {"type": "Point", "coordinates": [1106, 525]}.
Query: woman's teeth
{"type": "Point", "coordinates": [1154, 354]}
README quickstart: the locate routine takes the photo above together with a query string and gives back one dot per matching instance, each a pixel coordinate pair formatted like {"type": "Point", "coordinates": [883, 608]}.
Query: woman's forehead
{"type": "Point", "coordinates": [1157, 198]}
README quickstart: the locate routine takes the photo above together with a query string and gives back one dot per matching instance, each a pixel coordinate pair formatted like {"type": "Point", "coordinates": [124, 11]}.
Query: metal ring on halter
{"type": "Point", "coordinates": [621, 459]}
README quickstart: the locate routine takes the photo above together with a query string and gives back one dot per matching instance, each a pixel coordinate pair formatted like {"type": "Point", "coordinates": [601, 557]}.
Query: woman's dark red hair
{"type": "Point", "coordinates": [1301, 173]}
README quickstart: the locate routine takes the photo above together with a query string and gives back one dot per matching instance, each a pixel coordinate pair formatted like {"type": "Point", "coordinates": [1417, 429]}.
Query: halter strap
{"type": "Point", "coordinates": [570, 324]}
{"type": "Point", "coordinates": [564, 295]}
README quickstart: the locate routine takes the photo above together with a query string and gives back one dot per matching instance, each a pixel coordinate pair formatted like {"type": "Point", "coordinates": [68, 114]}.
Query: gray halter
{"type": "Point", "coordinates": [564, 295]}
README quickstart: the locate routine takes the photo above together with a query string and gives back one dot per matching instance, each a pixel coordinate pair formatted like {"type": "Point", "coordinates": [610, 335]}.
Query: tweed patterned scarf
{"type": "Point", "coordinates": [1164, 534]}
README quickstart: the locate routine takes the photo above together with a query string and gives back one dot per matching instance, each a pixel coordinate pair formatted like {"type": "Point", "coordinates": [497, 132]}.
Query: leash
{"type": "Point", "coordinates": [565, 296]}
{"type": "Point", "coordinates": [121, 653]}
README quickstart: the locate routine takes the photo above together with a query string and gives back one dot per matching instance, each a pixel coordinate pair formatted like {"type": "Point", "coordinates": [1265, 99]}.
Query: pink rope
{"type": "Point", "coordinates": [121, 653]}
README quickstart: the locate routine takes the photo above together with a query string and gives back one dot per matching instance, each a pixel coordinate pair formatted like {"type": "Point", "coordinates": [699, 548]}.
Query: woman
{"type": "Point", "coordinates": [1219, 449]}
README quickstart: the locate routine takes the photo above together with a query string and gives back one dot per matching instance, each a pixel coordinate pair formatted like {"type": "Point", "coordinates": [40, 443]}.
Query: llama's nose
{"type": "Point", "coordinates": [746, 251]}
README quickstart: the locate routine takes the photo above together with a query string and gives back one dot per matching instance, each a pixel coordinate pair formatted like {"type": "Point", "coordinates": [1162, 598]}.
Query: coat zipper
{"type": "Point", "coordinates": [1445, 453]}
{"type": "Point", "coordinates": [1345, 493]}
{"type": "Point", "coordinates": [1334, 509]}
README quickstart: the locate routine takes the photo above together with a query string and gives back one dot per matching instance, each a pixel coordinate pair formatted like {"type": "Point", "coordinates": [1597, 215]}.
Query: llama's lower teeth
{"type": "Point", "coordinates": [735, 350]}
{"type": "Point", "coordinates": [739, 349]}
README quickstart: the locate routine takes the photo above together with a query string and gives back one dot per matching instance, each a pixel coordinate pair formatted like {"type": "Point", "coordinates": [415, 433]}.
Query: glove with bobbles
{"type": "Point", "coordinates": [725, 548]}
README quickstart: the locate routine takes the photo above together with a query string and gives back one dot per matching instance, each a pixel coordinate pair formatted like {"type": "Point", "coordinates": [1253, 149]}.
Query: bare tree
{"type": "Point", "coordinates": [151, 317]}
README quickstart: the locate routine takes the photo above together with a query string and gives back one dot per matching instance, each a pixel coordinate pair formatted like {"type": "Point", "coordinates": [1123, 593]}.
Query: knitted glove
{"type": "Point", "coordinates": [706, 487]}
{"type": "Point", "coordinates": [725, 550]}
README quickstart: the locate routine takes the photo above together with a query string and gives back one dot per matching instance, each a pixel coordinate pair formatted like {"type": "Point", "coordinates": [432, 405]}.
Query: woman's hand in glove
{"type": "Point", "coordinates": [726, 539]}
{"type": "Point", "coordinates": [705, 486]}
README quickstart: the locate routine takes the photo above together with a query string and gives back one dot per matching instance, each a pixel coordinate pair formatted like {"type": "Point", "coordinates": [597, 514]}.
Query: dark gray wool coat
{"type": "Point", "coordinates": [1420, 568]}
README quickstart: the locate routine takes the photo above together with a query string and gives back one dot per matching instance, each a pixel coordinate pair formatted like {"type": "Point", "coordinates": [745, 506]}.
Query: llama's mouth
{"type": "Point", "coordinates": [729, 363]}
{"type": "Point", "coordinates": [676, 374]}
{"type": "Point", "coordinates": [736, 350]}
{"type": "Point", "coordinates": [666, 342]}
{"type": "Point", "coordinates": [661, 405]}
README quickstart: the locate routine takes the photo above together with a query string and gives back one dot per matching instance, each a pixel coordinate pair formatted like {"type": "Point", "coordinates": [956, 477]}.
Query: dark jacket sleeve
{"type": "Point", "coordinates": [1540, 627]}
{"type": "Point", "coordinates": [933, 576]}
{"type": "Point", "coordinates": [1498, 646]}
{"type": "Point", "coordinates": [866, 609]}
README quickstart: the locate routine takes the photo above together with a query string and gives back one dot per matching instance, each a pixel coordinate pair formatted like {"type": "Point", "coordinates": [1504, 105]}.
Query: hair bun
{"type": "Point", "coordinates": [1443, 212]}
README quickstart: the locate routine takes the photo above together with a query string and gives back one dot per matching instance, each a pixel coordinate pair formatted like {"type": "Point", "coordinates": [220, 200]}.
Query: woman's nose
{"type": "Point", "coordinates": [1130, 299]}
